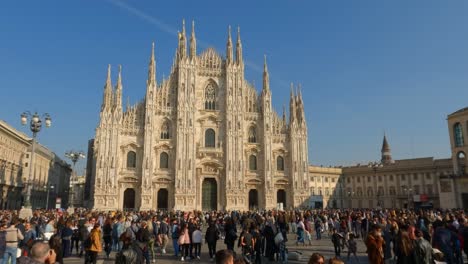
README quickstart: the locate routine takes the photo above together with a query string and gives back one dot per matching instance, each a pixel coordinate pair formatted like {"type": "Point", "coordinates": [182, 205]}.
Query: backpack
{"type": "Point", "coordinates": [87, 243]}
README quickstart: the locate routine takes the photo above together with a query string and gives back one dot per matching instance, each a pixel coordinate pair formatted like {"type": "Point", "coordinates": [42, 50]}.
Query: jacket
{"type": "Point", "coordinates": [375, 249]}
{"type": "Point", "coordinates": [96, 244]}
{"type": "Point", "coordinates": [13, 236]}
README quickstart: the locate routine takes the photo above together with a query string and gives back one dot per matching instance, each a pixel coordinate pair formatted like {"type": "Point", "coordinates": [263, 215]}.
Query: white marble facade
{"type": "Point", "coordinates": [203, 138]}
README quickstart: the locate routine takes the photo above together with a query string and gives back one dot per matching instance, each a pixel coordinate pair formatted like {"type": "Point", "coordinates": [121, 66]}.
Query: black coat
{"type": "Point", "coordinates": [212, 234]}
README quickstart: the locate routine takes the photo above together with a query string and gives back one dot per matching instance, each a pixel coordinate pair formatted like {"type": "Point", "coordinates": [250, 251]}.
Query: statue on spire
{"type": "Point", "coordinates": [193, 42]}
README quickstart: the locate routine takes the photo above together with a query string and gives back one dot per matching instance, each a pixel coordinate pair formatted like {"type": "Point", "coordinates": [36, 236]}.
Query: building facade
{"type": "Point", "coordinates": [407, 183]}
{"type": "Point", "coordinates": [203, 138]}
{"type": "Point", "coordinates": [326, 187]}
{"type": "Point", "coordinates": [15, 158]}
{"type": "Point", "coordinates": [456, 184]}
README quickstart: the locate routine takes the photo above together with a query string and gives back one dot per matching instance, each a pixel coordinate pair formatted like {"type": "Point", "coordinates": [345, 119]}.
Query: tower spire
{"type": "Point", "coordinates": [386, 153]}
{"type": "Point", "coordinates": [182, 52]}
{"type": "Point", "coordinates": [152, 69]}
{"type": "Point", "coordinates": [118, 91]}
{"type": "Point", "coordinates": [229, 46]}
{"type": "Point", "coordinates": [193, 42]}
{"type": "Point", "coordinates": [266, 76]}
{"type": "Point", "coordinates": [239, 48]}
{"type": "Point", "coordinates": [292, 106]}
{"type": "Point", "coordinates": [107, 99]}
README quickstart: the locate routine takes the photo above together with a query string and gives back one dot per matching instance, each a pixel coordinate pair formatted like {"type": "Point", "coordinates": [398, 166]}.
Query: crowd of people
{"type": "Point", "coordinates": [390, 236]}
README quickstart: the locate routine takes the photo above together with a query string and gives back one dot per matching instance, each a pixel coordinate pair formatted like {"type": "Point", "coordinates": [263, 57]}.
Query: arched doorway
{"type": "Point", "coordinates": [253, 199]}
{"type": "Point", "coordinates": [281, 197]}
{"type": "Point", "coordinates": [129, 199]}
{"type": "Point", "coordinates": [163, 195]}
{"type": "Point", "coordinates": [209, 194]}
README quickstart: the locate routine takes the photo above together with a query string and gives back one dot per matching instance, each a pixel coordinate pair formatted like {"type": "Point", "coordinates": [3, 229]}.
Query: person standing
{"type": "Point", "coordinates": [143, 237]}
{"type": "Point", "coordinates": [66, 236]}
{"type": "Point", "coordinates": [196, 241]}
{"type": "Point", "coordinates": [184, 242]}
{"type": "Point", "coordinates": [175, 237]}
{"type": "Point", "coordinates": [336, 240]}
{"type": "Point", "coordinates": [211, 237]}
{"type": "Point", "coordinates": [164, 234]}
{"type": "Point", "coordinates": [13, 236]}
{"type": "Point", "coordinates": [107, 235]}
{"type": "Point", "coordinates": [29, 238]}
{"type": "Point", "coordinates": [94, 245]}
{"type": "Point", "coordinates": [375, 243]}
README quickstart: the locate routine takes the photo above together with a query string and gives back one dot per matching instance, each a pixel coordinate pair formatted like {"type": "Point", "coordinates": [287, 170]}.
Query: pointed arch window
{"type": "Point", "coordinates": [165, 134]}
{"type": "Point", "coordinates": [210, 141]}
{"type": "Point", "coordinates": [210, 97]}
{"type": "Point", "coordinates": [252, 135]}
{"type": "Point", "coordinates": [458, 135]}
{"type": "Point", "coordinates": [131, 159]}
{"type": "Point", "coordinates": [252, 163]}
{"type": "Point", "coordinates": [280, 163]}
{"type": "Point", "coordinates": [164, 160]}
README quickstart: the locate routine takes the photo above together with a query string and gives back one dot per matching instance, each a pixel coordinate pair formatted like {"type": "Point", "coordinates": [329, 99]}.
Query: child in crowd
{"type": "Point", "coordinates": [197, 241]}
{"type": "Point", "coordinates": [352, 247]}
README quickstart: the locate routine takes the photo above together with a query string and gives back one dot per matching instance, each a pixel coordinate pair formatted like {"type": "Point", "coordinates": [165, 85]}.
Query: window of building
{"type": "Point", "coordinates": [391, 177]}
{"type": "Point", "coordinates": [428, 176]}
{"type": "Point", "coordinates": [131, 159]}
{"type": "Point", "coordinates": [165, 131]}
{"type": "Point", "coordinates": [403, 177]}
{"type": "Point", "coordinates": [458, 135]}
{"type": "Point", "coordinates": [368, 178]}
{"type": "Point", "coordinates": [313, 191]}
{"type": "Point", "coordinates": [210, 97]}
{"type": "Point", "coordinates": [252, 162]}
{"type": "Point", "coordinates": [349, 180]}
{"type": "Point", "coordinates": [326, 179]}
{"type": "Point", "coordinates": [380, 178]}
{"type": "Point", "coordinates": [392, 190]}
{"type": "Point", "coordinates": [164, 160]}
{"type": "Point", "coordinates": [358, 179]}
{"type": "Point", "coordinates": [280, 164]}
{"type": "Point", "coordinates": [252, 135]}
{"type": "Point", "coordinates": [312, 178]}
{"type": "Point", "coordinates": [210, 138]}
{"type": "Point", "coordinates": [416, 189]}
{"type": "Point", "coordinates": [327, 192]}
{"type": "Point", "coordinates": [333, 179]}
{"type": "Point", "coordinates": [370, 192]}
{"type": "Point", "coordinates": [415, 176]}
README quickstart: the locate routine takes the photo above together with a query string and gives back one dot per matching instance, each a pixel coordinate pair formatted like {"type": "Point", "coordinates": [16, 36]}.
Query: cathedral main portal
{"type": "Point", "coordinates": [129, 199]}
{"type": "Point", "coordinates": [209, 194]}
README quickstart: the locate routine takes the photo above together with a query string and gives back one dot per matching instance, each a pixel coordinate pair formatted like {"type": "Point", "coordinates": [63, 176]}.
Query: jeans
{"type": "Point", "coordinates": [197, 247]}
{"type": "Point", "coordinates": [175, 244]}
{"type": "Point", "coordinates": [212, 249]}
{"type": "Point", "coordinates": [9, 252]}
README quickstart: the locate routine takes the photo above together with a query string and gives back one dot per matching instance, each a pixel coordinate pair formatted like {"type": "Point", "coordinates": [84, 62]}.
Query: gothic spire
{"type": "Point", "coordinates": [118, 91]}
{"type": "Point", "coordinates": [386, 153]}
{"type": "Point", "coordinates": [284, 114]}
{"type": "Point", "coordinates": [182, 42]}
{"type": "Point", "coordinates": [239, 59]}
{"type": "Point", "coordinates": [193, 42]}
{"type": "Point", "coordinates": [152, 70]}
{"type": "Point", "coordinates": [266, 76]}
{"type": "Point", "coordinates": [229, 47]}
{"type": "Point", "coordinates": [292, 106]}
{"type": "Point", "coordinates": [107, 99]}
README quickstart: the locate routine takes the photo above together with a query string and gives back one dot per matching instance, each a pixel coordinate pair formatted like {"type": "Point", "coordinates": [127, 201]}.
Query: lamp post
{"type": "Point", "coordinates": [350, 194]}
{"type": "Point", "coordinates": [375, 166]}
{"type": "Point", "coordinates": [35, 126]}
{"type": "Point", "coordinates": [47, 198]}
{"type": "Point", "coordinates": [74, 156]}
{"type": "Point", "coordinates": [408, 192]}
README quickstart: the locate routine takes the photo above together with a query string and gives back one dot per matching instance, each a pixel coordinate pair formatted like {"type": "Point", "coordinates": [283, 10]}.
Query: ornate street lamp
{"type": "Point", "coordinates": [35, 126]}
{"type": "Point", "coordinates": [50, 187]}
{"type": "Point", "coordinates": [375, 166]}
{"type": "Point", "coordinates": [74, 156]}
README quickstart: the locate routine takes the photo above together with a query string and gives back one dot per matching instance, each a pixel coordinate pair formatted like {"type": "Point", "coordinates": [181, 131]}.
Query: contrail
{"type": "Point", "coordinates": [173, 31]}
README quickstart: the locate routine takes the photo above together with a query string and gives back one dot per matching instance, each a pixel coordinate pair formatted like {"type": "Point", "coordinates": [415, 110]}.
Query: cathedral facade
{"type": "Point", "coordinates": [203, 138]}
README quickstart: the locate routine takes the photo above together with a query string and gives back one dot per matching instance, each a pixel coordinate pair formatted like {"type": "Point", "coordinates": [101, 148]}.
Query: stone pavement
{"type": "Point", "coordinates": [323, 246]}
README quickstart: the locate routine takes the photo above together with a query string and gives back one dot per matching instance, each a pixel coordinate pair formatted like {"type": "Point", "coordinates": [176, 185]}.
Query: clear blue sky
{"type": "Point", "coordinates": [365, 66]}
